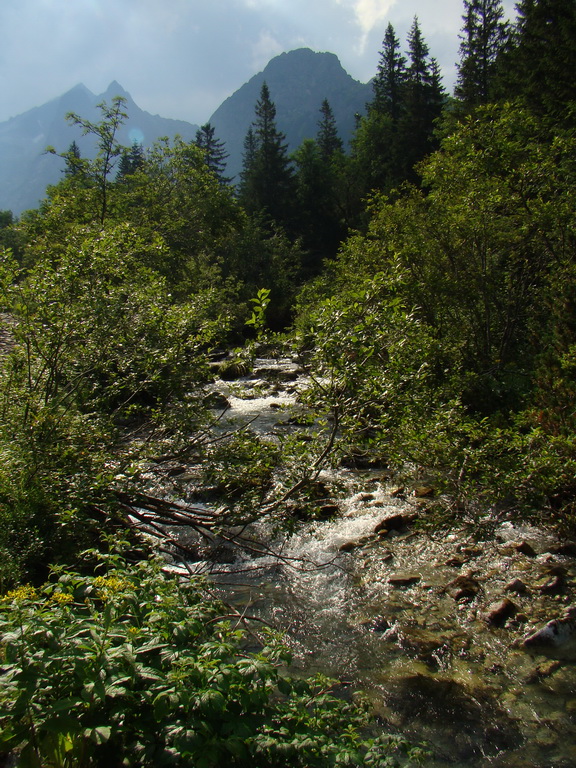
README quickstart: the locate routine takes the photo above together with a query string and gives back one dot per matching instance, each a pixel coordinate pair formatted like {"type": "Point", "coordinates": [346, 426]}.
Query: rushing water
{"type": "Point", "coordinates": [408, 615]}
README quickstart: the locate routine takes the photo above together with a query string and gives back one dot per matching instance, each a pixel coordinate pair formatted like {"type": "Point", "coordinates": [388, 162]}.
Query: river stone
{"type": "Point", "coordinates": [517, 586]}
{"type": "Point", "coordinates": [404, 579]}
{"type": "Point", "coordinates": [525, 548]}
{"type": "Point", "coordinates": [557, 636]}
{"type": "Point", "coordinates": [393, 523]}
{"type": "Point", "coordinates": [500, 612]}
{"type": "Point", "coordinates": [542, 671]}
{"type": "Point", "coordinates": [230, 370]}
{"type": "Point", "coordinates": [470, 716]}
{"type": "Point", "coordinates": [350, 546]}
{"type": "Point", "coordinates": [470, 551]}
{"type": "Point", "coordinates": [422, 644]}
{"type": "Point", "coordinates": [456, 561]}
{"type": "Point", "coordinates": [216, 401]}
{"type": "Point", "coordinates": [377, 624]}
{"type": "Point", "coordinates": [567, 549]}
{"type": "Point", "coordinates": [288, 373]}
{"type": "Point", "coordinates": [462, 588]}
{"type": "Point", "coordinates": [362, 461]}
{"type": "Point", "coordinates": [423, 491]}
{"type": "Point", "coordinates": [550, 586]}
{"type": "Point", "coordinates": [328, 510]}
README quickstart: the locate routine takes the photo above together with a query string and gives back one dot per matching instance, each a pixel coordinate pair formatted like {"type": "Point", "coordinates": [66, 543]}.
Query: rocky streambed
{"type": "Point", "coordinates": [465, 638]}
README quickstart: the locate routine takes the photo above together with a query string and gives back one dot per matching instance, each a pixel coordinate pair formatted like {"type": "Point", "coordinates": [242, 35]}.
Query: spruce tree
{"type": "Point", "coordinates": [215, 155]}
{"type": "Point", "coordinates": [267, 180]}
{"type": "Point", "coordinates": [73, 159]}
{"type": "Point", "coordinates": [319, 173]}
{"type": "Point", "coordinates": [131, 160]}
{"type": "Point", "coordinates": [328, 140]}
{"type": "Point", "coordinates": [376, 156]}
{"type": "Point", "coordinates": [424, 97]}
{"type": "Point", "coordinates": [484, 36]}
{"type": "Point", "coordinates": [540, 64]}
{"type": "Point", "coordinates": [390, 77]}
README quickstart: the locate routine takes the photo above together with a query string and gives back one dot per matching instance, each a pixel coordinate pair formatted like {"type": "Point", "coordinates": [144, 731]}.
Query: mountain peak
{"type": "Point", "coordinates": [115, 89]}
{"type": "Point", "coordinates": [299, 81]}
{"type": "Point", "coordinates": [303, 61]}
{"type": "Point", "coordinates": [79, 89]}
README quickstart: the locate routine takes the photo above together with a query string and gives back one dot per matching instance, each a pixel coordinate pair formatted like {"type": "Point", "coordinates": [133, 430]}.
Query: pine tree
{"type": "Point", "coordinates": [328, 140]}
{"type": "Point", "coordinates": [267, 181]}
{"type": "Point", "coordinates": [540, 64]}
{"type": "Point", "coordinates": [423, 101]}
{"type": "Point", "coordinates": [484, 37]}
{"type": "Point", "coordinates": [215, 155]}
{"type": "Point", "coordinates": [131, 160]}
{"type": "Point", "coordinates": [390, 77]}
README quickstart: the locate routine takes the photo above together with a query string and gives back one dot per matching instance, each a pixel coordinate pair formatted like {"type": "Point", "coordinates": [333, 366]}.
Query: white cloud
{"type": "Point", "coordinates": [264, 49]}
{"type": "Point", "coordinates": [369, 14]}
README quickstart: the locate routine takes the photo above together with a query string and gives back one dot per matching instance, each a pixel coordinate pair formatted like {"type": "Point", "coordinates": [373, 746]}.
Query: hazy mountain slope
{"type": "Point", "coordinates": [298, 81]}
{"type": "Point", "coordinates": [25, 169]}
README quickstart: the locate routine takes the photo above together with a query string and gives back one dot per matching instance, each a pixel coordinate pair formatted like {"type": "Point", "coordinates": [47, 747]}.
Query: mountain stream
{"type": "Point", "coordinates": [431, 625]}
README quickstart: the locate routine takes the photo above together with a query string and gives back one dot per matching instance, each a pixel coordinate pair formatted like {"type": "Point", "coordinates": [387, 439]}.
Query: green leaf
{"type": "Point", "coordinates": [99, 735]}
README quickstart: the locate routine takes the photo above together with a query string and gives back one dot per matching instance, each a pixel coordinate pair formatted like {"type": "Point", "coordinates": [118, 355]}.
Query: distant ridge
{"type": "Point", "coordinates": [25, 171]}
{"type": "Point", "coordinates": [299, 81]}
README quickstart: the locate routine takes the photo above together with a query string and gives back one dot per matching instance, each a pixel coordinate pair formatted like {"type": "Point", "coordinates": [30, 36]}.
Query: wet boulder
{"type": "Point", "coordinates": [230, 370]}
{"type": "Point", "coordinates": [517, 586]}
{"type": "Point", "coordinates": [567, 549]}
{"type": "Point", "coordinates": [362, 461]}
{"type": "Point", "coordinates": [377, 624]}
{"type": "Point", "coordinates": [350, 546]}
{"type": "Point", "coordinates": [553, 581]}
{"type": "Point", "coordinates": [499, 613]}
{"type": "Point", "coordinates": [557, 637]}
{"type": "Point", "coordinates": [216, 401]}
{"type": "Point", "coordinates": [463, 587]}
{"type": "Point", "coordinates": [393, 523]}
{"type": "Point", "coordinates": [467, 718]}
{"type": "Point", "coordinates": [404, 579]}
{"type": "Point", "coordinates": [423, 492]}
{"type": "Point", "coordinates": [525, 548]}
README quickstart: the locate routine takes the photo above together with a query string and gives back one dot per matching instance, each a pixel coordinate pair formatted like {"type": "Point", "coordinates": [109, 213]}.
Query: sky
{"type": "Point", "coordinates": [182, 58]}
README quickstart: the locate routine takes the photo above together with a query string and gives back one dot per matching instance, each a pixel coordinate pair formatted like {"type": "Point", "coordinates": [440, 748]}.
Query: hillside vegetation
{"type": "Point", "coordinates": [426, 274]}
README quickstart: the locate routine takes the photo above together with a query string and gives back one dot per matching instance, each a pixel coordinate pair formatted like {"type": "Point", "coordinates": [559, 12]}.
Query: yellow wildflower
{"type": "Point", "coordinates": [21, 593]}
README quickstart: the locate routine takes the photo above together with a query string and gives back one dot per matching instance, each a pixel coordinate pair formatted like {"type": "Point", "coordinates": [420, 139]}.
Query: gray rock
{"type": "Point", "coordinates": [557, 636]}
{"type": "Point", "coordinates": [404, 579]}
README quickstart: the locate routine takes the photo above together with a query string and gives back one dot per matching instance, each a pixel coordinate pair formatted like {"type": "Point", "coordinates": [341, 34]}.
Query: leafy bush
{"type": "Point", "coordinates": [99, 344]}
{"type": "Point", "coordinates": [446, 338]}
{"type": "Point", "coordinates": [131, 667]}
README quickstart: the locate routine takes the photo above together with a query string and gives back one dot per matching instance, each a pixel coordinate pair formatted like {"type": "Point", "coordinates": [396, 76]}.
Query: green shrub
{"type": "Point", "coordinates": [131, 667]}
